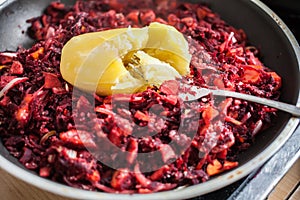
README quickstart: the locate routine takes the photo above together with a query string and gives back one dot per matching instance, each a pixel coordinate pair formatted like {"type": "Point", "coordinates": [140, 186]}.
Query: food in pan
{"type": "Point", "coordinates": [66, 132]}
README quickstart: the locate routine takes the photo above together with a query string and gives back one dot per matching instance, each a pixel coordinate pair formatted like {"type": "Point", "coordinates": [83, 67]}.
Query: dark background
{"type": "Point", "coordinates": [289, 12]}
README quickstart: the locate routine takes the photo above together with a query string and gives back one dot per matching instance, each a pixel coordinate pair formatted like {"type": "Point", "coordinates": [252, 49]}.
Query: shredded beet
{"type": "Point", "coordinates": [37, 109]}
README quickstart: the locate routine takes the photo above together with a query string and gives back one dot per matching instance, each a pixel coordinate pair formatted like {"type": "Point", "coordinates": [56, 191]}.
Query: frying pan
{"type": "Point", "coordinates": [279, 50]}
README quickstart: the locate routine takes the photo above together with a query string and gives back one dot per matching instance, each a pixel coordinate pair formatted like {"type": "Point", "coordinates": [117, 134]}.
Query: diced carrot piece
{"type": "Point", "coordinates": [51, 80]}
{"type": "Point", "coordinates": [158, 174]}
{"type": "Point", "coordinates": [257, 66]}
{"type": "Point", "coordinates": [229, 165]}
{"type": "Point", "coordinates": [276, 78]}
{"type": "Point", "coordinates": [214, 168]}
{"type": "Point", "coordinates": [241, 139]}
{"type": "Point", "coordinates": [83, 29]}
{"type": "Point", "coordinates": [133, 16]}
{"type": "Point", "coordinates": [141, 116]}
{"type": "Point", "coordinates": [37, 53]}
{"type": "Point", "coordinates": [94, 177]}
{"type": "Point", "coordinates": [209, 114]}
{"type": "Point", "coordinates": [23, 113]}
{"type": "Point", "coordinates": [251, 74]}
{"type": "Point", "coordinates": [172, 99]}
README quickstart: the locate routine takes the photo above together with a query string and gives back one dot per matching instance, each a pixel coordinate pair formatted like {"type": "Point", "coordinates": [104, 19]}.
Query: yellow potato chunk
{"type": "Point", "coordinates": [99, 62]}
{"type": "Point", "coordinates": [169, 45]}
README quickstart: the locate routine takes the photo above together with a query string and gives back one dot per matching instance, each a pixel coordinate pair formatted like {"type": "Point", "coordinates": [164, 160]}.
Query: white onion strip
{"type": "Point", "coordinates": [9, 54]}
{"type": "Point", "coordinates": [11, 84]}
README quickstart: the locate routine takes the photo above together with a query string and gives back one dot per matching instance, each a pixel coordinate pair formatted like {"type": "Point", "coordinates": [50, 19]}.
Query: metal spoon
{"type": "Point", "coordinates": [197, 92]}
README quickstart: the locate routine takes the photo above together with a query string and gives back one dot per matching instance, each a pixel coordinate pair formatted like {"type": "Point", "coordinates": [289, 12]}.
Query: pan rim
{"type": "Point", "coordinates": [182, 193]}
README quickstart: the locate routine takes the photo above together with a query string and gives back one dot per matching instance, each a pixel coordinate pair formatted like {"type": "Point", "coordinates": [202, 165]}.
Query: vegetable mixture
{"type": "Point", "coordinates": [60, 132]}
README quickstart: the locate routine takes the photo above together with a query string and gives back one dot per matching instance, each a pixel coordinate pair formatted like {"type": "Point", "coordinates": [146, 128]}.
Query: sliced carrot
{"type": "Point", "coordinates": [201, 162]}
{"type": "Point", "coordinates": [23, 113]}
{"type": "Point", "coordinates": [251, 74]}
{"type": "Point", "coordinates": [141, 116]}
{"type": "Point", "coordinates": [94, 176]}
{"type": "Point", "coordinates": [158, 174]}
{"type": "Point", "coordinates": [229, 165]}
{"type": "Point", "coordinates": [256, 66]}
{"type": "Point", "coordinates": [216, 167]}
{"type": "Point", "coordinates": [3, 66]}
{"type": "Point", "coordinates": [233, 121]}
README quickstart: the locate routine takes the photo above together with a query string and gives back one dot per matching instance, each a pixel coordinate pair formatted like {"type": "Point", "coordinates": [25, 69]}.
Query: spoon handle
{"type": "Point", "coordinates": [197, 92]}
{"type": "Point", "coordinates": [294, 110]}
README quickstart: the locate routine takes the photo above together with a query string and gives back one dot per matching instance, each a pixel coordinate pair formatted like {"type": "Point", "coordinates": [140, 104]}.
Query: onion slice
{"type": "Point", "coordinates": [11, 84]}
